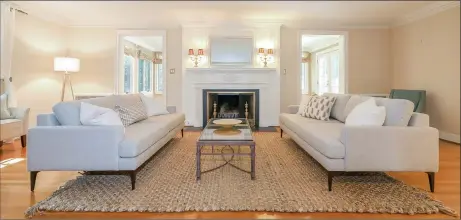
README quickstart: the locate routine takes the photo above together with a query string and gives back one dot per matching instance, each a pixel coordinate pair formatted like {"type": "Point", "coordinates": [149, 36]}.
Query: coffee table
{"type": "Point", "coordinates": [216, 135]}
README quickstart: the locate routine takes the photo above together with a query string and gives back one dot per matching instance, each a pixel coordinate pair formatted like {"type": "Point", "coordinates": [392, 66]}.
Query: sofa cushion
{"type": "Point", "coordinates": [398, 111]}
{"type": "Point", "coordinates": [68, 113]}
{"type": "Point", "coordinates": [323, 136]}
{"type": "Point", "coordinates": [4, 111]}
{"type": "Point", "coordinates": [319, 107]}
{"type": "Point", "coordinates": [132, 112]}
{"type": "Point", "coordinates": [142, 135]}
{"type": "Point", "coordinates": [337, 112]}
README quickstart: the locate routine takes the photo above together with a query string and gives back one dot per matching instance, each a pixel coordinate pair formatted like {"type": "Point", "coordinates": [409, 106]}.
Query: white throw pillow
{"type": "Point", "coordinates": [366, 113]}
{"type": "Point", "coordinates": [95, 115]}
{"type": "Point", "coordinates": [153, 106]}
{"type": "Point", "coordinates": [305, 99]}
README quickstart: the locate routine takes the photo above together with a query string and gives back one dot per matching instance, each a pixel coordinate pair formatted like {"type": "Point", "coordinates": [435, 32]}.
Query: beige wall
{"type": "Point", "coordinates": [96, 48]}
{"type": "Point", "coordinates": [368, 69]}
{"type": "Point", "coordinates": [426, 55]}
{"type": "Point", "coordinates": [36, 44]}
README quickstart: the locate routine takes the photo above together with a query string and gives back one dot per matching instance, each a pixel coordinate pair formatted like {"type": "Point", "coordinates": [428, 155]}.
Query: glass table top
{"type": "Point", "coordinates": [238, 132]}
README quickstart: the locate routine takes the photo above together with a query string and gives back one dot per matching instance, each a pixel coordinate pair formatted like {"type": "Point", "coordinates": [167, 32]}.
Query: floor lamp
{"type": "Point", "coordinates": [67, 65]}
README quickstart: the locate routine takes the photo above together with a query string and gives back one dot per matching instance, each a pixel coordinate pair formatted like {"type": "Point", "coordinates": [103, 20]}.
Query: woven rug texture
{"type": "Point", "coordinates": [287, 180]}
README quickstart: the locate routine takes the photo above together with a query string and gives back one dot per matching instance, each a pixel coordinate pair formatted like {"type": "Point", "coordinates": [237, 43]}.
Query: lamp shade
{"type": "Point", "coordinates": [191, 52]}
{"type": "Point", "coordinates": [200, 52]}
{"type": "Point", "coordinates": [261, 50]}
{"type": "Point", "coordinates": [270, 51]}
{"type": "Point", "coordinates": [66, 64]}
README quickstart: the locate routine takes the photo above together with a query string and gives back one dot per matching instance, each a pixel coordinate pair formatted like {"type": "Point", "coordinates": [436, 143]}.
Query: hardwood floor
{"type": "Point", "coordinates": [16, 196]}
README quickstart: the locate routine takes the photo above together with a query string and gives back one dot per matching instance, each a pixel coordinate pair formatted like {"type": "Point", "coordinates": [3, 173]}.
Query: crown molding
{"type": "Point", "coordinates": [427, 11]}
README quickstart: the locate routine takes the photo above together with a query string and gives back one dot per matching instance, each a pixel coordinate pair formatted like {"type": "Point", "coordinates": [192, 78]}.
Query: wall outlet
{"type": "Point", "coordinates": [172, 71]}
{"type": "Point", "coordinates": [187, 123]}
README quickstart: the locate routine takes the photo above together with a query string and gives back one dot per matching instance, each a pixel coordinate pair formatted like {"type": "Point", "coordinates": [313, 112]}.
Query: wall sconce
{"type": "Point", "coordinates": [266, 57]}
{"type": "Point", "coordinates": [196, 58]}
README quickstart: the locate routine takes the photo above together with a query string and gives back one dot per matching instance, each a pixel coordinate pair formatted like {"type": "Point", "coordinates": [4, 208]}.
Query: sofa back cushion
{"type": "Point", "coordinates": [68, 113]}
{"type": "Point", "coordinates": [337, 112]}
{"type": "Point", "coordinates": [398, 111]}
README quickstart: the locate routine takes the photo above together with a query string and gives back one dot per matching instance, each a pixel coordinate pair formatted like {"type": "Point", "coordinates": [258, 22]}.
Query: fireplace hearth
{"type": "Point", "coordinates": [231, 103]}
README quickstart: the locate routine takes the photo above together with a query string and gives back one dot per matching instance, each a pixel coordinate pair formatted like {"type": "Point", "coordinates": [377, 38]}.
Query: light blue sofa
{"type": "Point", "coordinates": [61, 143]}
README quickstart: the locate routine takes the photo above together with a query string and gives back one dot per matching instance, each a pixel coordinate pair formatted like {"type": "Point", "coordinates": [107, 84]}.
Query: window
{"type": "Point", "coordinates": [328, 72]}
{"type": "Point", "coordinates": [158, 79]}
{"type": "Point", "coordinates": [128, 73]}
{"type": "Point", "coordinates": [304, 78]}
{"type": "Point", "coordinates": [145, 75]}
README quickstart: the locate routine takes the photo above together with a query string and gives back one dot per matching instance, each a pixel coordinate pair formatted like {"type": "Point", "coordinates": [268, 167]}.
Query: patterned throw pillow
{"type": "Point", "coordinates": [320, 107]}
{"type": "Point", "coordinates": [131, 114]}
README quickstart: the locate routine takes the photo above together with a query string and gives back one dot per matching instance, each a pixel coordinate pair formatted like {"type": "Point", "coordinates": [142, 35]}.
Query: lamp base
{"type": "Point", "coordinates": [67, 79]}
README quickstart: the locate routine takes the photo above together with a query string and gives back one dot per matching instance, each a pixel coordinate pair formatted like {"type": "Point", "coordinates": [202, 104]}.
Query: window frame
{"type": "Point", "coordinates": [156, 78]}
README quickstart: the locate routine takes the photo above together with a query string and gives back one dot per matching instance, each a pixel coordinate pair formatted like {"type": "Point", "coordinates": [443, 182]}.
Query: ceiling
{"type": "Point", "coordinates": [149, 14]}
{"type": "Point", "coordinates": [312, 43]}
{"type": "Point", "coordinates": [152, 43]}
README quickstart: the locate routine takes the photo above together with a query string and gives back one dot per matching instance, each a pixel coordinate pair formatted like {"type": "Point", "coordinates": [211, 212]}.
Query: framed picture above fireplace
{"type": "Point", "coordinates": [231, 51]}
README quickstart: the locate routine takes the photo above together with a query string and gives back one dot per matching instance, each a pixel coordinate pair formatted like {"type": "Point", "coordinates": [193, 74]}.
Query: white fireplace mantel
{"type": "Point", "coordinates": [267, 80]}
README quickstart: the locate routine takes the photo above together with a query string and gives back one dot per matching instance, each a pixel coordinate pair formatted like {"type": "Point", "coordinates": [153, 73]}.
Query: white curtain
{"type": "Point", "coordinates": [7, 42]}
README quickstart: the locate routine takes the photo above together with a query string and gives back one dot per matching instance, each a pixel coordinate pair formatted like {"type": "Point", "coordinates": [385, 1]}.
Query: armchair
{"type": "Point", "coordinates": [418, 97]}
{"type": "Point", "coordinates": [15, 126]}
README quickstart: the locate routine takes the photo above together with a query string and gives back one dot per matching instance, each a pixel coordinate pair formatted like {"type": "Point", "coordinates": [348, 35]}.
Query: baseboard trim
{"type": "Point", "coordinates": [455, 138]}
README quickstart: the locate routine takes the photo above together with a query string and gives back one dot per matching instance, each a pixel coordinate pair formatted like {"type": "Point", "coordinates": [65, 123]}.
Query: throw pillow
{"type": "Point", "coordinates": [94, 115]}
{"type": "Point", "coordinates": [366, 113]}
{"type": "Point", "coordinates": [4, 112]}
{"type": "Point", "coordinates": [304, 101]}
{"type": "Point", "coordinates": [320, 107]}
{"type": "Point", "coordinates": [131, 114]}
{"type": "Point", "coordinates": [153, 106]}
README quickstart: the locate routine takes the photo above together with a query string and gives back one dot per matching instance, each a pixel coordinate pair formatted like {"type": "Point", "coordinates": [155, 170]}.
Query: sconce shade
{"type": "Point", "coordinates": [191, 51]}
{"type": "Point", "coordinates": [270, 51]}
{"type": "Point", "coordinates": [66, 64]}
{"type": "Point", "coordinates": [261, 50]}
{"type": "Point", "coordinates": [200, 52]}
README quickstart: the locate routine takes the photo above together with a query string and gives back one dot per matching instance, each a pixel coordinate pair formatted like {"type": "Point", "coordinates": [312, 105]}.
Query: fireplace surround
{"type": "Point", "coordinates": [231, 103]}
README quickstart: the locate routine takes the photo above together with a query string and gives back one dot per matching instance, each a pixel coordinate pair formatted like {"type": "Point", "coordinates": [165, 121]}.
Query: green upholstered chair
{"type": "Point", "coordinates": [416, 96]}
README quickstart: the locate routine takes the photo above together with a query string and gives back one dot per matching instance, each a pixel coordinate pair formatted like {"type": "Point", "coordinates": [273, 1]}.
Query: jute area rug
{"type": "Point", "coordinates": [287, 180]}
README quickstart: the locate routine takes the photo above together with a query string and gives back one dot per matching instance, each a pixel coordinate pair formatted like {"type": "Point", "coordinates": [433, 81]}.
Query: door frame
{"type": "Point", "coordinates": [345, 55]}
{"type": "Point", "coordinates": [118, 73]}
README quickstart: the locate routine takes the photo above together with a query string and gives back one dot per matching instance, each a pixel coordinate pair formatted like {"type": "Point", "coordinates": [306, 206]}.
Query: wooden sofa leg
{"type": "Point", "coordinates": [23, 140]}
{"type": "Point", "coordinates": [331, 174]}
{"type": "Point", "coordinates": [33, 178]}
{"type": "Point", "coordinates": [1, 143]}
{"type": "Point", "coordinates": [431, 176]}
{"type": "Point", "coordinates": [133, 179]}
{"type": "Point", "coordinates": [281, 133]}
{"type": "Point", "coordinates": [182, 132]}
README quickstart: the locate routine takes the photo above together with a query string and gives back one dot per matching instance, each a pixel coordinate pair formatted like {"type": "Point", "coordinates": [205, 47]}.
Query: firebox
{"type": "Point", "coordinates": [231, 103]}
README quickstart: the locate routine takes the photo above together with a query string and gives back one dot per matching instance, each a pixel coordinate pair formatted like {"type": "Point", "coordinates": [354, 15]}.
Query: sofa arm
{"type": "Point", "coordinates": [80, 148]}
{"type": "Point", "coordinates": [171, 109]}
{"type": "Point", "coordinates": [293, 109]}
{"type": "Point", "coordinates": [419, 120]}
{"type": "Point", "coordinates": [391, 148]}
{"type": "Point", "coordinates": [23, 115]}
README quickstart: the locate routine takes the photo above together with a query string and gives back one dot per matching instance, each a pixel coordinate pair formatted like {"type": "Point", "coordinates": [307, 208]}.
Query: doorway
{"type": "Point", "coordinates": [323, 62]}
{"type": "Point", "coordinates": [141, 62]}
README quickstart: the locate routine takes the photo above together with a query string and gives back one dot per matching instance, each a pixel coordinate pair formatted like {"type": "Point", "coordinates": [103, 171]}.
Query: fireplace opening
{"type": "Point", "coordinates": [228, 106]}
{"type": "Point", "coordinates": [231, 104]}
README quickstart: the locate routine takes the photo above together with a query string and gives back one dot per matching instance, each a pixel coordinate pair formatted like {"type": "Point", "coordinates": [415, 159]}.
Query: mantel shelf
{"type": "Point", "coordinates": [229, 70]}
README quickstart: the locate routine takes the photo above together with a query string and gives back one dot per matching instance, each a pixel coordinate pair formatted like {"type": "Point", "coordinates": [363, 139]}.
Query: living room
{"type": "Point", "coordinates": [260, 63]}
